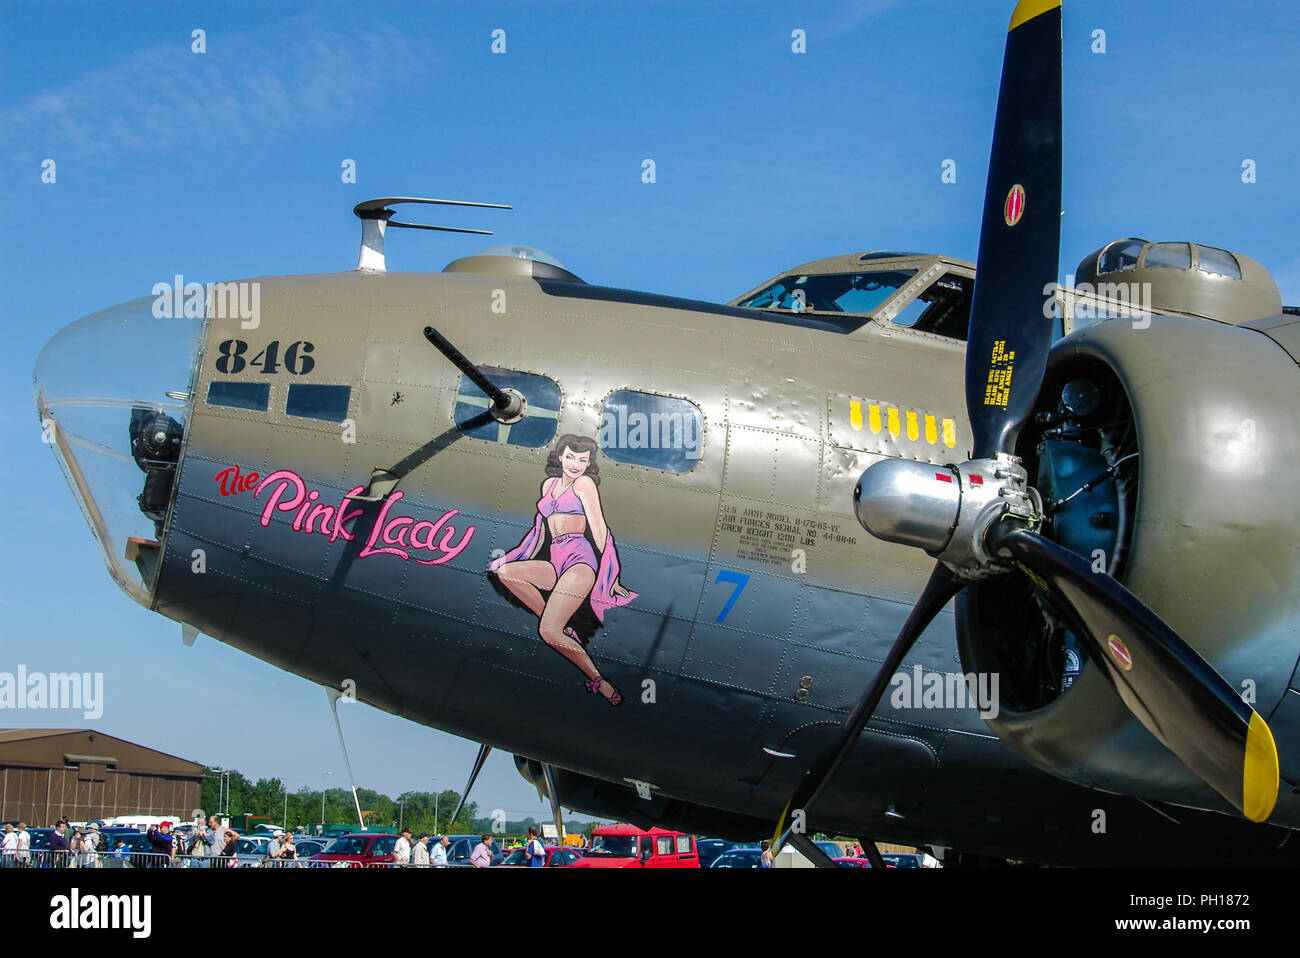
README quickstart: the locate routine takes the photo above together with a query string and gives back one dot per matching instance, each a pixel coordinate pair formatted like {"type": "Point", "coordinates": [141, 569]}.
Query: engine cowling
{"type": "Point", "coordinates": [1204, 530]}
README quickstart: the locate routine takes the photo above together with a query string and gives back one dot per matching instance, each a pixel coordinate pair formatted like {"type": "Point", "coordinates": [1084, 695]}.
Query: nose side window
{"type": "Point", "coordinates": [253, 396]}
{"type": "Point", "coordinates": [313, 401]}
{"type": "Point", "coordinates": [646, 429]}
{"type": "Point", "coordinates": [541, 409]}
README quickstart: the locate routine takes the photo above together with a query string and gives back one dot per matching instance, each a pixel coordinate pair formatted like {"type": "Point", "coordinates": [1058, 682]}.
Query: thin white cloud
{"type": "Point", "coordinates": [287, 77]}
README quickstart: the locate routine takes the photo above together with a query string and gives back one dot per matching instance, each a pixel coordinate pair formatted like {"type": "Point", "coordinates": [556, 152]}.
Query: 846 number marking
{"type": "Point", "coordinates": [296, 361]}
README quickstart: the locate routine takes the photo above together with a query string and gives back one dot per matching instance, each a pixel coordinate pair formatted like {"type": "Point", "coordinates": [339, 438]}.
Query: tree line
{"type": "Point", "coordinates": [232, 792]}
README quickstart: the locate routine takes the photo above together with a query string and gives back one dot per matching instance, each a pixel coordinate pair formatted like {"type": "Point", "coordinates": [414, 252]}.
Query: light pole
{"type": "Point", "coordinates": [322, 799]}
{"type": "Point", "coordinates": [435, 803]}
{"type": "Point", "coordinates": [223, 786]}
{"type": "Point", "coordinates": [220, 775]}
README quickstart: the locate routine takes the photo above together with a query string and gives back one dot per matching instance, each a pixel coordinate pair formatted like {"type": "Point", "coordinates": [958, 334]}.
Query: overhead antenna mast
{"type": "Point", "coordinates": [376, 217]}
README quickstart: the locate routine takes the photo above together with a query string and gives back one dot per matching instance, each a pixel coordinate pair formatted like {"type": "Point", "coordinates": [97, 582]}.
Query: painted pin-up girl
{"type": "Point", "coordinates": [568, 564]}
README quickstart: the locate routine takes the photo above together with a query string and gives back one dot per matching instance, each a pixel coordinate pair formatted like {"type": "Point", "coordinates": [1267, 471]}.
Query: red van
{"type": "Point", "coordinates": [626, 846]}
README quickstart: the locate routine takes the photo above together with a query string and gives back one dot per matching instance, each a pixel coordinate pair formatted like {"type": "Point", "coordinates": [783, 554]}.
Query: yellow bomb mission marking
{"type": "Point", "coordinates": [897, 422]}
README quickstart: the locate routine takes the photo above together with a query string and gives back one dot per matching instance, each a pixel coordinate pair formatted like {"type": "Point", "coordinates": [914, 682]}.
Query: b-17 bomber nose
{"type": "Point", "coordinates": [112, 396]}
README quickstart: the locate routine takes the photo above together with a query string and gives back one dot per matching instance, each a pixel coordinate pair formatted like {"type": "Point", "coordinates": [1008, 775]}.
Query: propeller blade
{"type": "Point", "coordinates": [1166, 683]}
{"type": "Point", "coordinates": [1020, 237]}
{"type": "Point", "coordinates": [939, 590]}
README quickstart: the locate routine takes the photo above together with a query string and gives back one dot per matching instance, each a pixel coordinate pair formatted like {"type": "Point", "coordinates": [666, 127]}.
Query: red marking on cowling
{"type": "Point", "coordinates": [1120, 653]}
{"type": "Point", "coordinates": [1014, 207]}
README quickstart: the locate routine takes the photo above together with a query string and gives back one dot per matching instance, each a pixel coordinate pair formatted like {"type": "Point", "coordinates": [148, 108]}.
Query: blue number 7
{"type": "Point", "coordinates": [740, 579]}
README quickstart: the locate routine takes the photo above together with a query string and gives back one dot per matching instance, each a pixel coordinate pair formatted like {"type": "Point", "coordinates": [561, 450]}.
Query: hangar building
{"type": "Point", "coordinates": [82, 775]}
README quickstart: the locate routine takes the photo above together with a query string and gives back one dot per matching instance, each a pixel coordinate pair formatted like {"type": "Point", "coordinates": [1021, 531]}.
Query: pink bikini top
{"type": "Point", "coordinates": [568, 503]}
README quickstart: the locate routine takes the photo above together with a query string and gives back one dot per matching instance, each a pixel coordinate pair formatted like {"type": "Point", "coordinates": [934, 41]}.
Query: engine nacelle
{"type": "Point", "coordinates": [1205, 533]}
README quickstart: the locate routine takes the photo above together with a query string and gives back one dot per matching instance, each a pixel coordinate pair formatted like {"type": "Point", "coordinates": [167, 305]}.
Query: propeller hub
{"type": "Point", "coordinates": [946, 510]}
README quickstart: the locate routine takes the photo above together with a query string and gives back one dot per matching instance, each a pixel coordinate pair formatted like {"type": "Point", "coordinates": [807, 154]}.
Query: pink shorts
{"type": "Point", "coordinates": [570, 550]}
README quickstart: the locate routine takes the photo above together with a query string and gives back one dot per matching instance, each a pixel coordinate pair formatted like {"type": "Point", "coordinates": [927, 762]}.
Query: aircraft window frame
{"type": "Point", "coordinates": [791, 284]}
{"type": "Point", "coordinates": [1164, 256]}
{"type": "Point", "coordinates": [933, 315]}
{"type": "Point", "coordinates": [637, 458]}
{"type": "Point", "coordinates": [1120, 250]}
{"type": "Point", "coordinates": [540, 391]}
{"type": "Point", "coordinates": [257, 398]}
{"type": "Point", "coordinates": [1225, 260]}
{"type": "Point", "coordinates": [324, 406]}
{"type": "Point", "coordinates": [822, 322]}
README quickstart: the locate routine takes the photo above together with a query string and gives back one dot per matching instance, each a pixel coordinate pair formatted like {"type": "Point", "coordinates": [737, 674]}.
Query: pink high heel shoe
{"type": "Point", "coordinates": [615, 697]}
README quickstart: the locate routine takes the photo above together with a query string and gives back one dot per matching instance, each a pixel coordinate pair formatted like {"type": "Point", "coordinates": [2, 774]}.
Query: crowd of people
{"type": "Point", "coordinates": [15, 847]}
{"type": "Point", "coordinates": [212, 844]}
{"type": "Point", "coordinates": [89, 847]}
{"type": "Point", "coordinates": [418, 853]}
{"type": "Point", "coordinates": [207, 840]}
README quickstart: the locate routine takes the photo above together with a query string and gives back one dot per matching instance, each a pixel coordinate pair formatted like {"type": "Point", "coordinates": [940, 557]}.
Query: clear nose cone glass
{"type": "Point", "coordinates": [112, 392]}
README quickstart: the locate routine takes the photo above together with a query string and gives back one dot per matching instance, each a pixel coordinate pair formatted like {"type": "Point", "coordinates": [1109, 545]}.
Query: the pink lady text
{"type": "Point", "coordinates": [395, 535]}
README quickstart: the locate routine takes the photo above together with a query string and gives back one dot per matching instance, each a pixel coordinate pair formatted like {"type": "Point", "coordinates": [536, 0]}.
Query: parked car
{"type": "Point", "coordinates": [556, 857]}
{"type": "Point", "coordinates": [139, 852]}
{"type": "Point", "coordinates": [626, 846]}
{"type": "Point", "coordinates": [307, 847]}
{"type": "Point", "coordinates": [462, 846]}
{"type": "Point", "coordinates": [251, 851]}
{"type": "Point", "coordinates": [362, 848]}
{"type": "Point", "coordinates": [911, 860]}
{"type": "Point", "coordinates": [738, 858]}
{"type": "Point", "coordinates": [856, 863]}
{"type": "Point", "coordinates": [304, 849]}
{"type": "Point", "coordinates": [832, 849]}
{"type": "Point", "coordinates": [112, 831]}
{"type": "Point", "coordinates": [41, 838]}
{"type": "Point", "coordinates": [710, 848]}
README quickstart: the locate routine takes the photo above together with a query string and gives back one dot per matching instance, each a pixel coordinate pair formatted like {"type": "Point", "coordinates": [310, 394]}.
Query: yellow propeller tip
{"type": "Point", "coordinates": [1260, 776]}
{"type": "Point", "coordinates": [780, 826]}
{"type": "Point", "coordinates": [1026, 10]}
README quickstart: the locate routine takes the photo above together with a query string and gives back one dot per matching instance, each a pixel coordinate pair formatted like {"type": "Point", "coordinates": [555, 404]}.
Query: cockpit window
{"type": "Point", "coordinates": [1120, 256]}
{"type": "Point", "coordinates": [541, 409]}
{"type": "Point", "coordinates": [858, 293]}
{"type": "Point", "coordinates": [1218, 261]}
{"type": "Point", "coordinates": [943, 309]}
{"type": "Point", "coordinates": [1168, 256]}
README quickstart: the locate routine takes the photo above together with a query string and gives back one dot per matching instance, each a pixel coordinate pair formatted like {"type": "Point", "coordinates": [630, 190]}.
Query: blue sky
{"type": "Point", "coordinates": [227, 164]}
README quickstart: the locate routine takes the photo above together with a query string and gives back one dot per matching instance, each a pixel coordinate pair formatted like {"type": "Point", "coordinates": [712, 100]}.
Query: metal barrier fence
{"type": "Point", "coordinates": [49, 858]}
{"type": "Point", "coordinates": [120, 858]}
{"type": "Point", "coordinates": [128, 858]}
